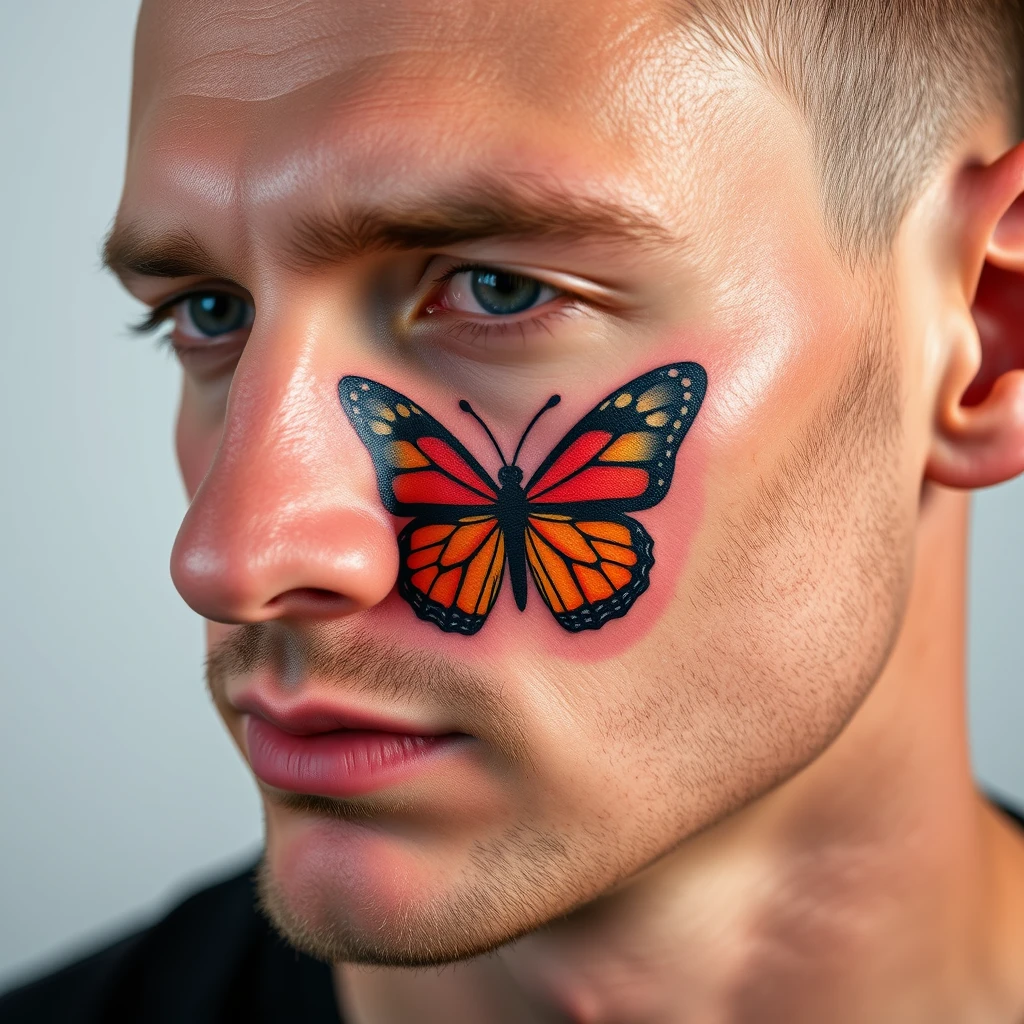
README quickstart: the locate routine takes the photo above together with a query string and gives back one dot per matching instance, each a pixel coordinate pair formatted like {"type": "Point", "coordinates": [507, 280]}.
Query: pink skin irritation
{"type": "Point", "coordinates": [672, 524]}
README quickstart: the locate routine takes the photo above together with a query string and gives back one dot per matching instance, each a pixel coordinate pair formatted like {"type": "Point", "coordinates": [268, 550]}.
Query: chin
{"type": "Point", "coordinates": [359, 890]}
{"type": "Point", "coordinates": [353, 891]}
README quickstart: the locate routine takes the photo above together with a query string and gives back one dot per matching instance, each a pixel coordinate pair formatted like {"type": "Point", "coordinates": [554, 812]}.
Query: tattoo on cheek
{"type": "Point", "coordinates": [568, 524]}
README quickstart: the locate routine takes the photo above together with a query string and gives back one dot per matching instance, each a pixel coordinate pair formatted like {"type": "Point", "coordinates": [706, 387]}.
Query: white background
{"type": "Point", "coordinates": [118, 787]}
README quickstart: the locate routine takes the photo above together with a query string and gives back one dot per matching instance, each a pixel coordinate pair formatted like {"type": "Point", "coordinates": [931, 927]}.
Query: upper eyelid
{"type": "Point", "coordinates": [569, 284]}
{"type": "Point", "coordinates": [466, 267]}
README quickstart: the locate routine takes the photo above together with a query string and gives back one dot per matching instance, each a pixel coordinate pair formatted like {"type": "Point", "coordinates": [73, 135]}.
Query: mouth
{"type": "Point", "coordinates": [326, 751]}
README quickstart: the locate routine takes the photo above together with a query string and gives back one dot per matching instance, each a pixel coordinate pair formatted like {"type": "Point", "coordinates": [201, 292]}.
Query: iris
{"type": "Point", "coordinates": [216, 313]}
{"type": "Point", "coordinates": [500, 292]}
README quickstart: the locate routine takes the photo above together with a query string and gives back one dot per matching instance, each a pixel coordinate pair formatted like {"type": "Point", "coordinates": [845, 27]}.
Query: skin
{"type": "Point", "coordinates": [748, 800]}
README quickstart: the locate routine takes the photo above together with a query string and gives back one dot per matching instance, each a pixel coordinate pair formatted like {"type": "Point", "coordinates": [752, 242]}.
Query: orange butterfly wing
{"type": "Point", "coordinates": [452, 572]}
{"type": "Point", "coordinates": [588, 570]}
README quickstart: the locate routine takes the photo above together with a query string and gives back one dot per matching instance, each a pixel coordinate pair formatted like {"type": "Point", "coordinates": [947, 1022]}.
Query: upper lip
{"type": "Point", "coordinates": [307, 717]}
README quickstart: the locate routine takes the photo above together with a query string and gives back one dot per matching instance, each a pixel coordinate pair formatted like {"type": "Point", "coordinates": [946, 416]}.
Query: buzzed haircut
{"type": "Point", "coordinates": [886, 87]}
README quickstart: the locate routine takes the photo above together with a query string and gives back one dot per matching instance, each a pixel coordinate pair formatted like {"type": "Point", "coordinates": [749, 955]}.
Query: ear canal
{"type": "Point", "coordinates": [999, 316]}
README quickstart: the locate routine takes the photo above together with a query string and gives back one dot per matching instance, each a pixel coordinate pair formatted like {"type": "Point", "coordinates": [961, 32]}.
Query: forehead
{"type": "Point", "coordinates": [248, 50]}
{"type": "Point", "coordinates": [242, 108]}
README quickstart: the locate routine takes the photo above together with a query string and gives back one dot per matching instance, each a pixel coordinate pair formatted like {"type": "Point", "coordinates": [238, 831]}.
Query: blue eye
{"type": "Point", "coordinates": [503, 293]}
{"type": "Point", "coordinates": [215, 313]}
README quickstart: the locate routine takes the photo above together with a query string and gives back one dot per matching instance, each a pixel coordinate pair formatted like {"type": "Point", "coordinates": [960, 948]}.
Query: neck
{"type": "Point", "coordinates": [875, 885]}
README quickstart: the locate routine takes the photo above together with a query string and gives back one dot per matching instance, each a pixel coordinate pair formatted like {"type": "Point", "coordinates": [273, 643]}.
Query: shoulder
{"type": "Point", "coordinates": [185, 958]}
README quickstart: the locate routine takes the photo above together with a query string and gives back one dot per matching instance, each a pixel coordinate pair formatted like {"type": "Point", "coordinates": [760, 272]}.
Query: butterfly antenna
{"type": "Point", "coordinates": [466, 407]}
{"type": "Point", "coordinates": [549, 404]}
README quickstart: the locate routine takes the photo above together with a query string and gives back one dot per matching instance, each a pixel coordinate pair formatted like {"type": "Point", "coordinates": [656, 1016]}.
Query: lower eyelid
{"type": "Point", "coordinates": [496, 327]}
{"type": "Point", "coordinates": [497, 321]}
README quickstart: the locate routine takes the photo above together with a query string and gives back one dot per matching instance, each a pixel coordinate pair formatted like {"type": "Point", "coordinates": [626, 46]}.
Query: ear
{"type": "Point", "coordinates": [978, 437]}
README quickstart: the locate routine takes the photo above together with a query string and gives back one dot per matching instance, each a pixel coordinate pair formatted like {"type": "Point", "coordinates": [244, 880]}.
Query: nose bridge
{"type": "Point", "coordinates": [281, 420]}
{"type": "Point", "coordinates": [288, 508]}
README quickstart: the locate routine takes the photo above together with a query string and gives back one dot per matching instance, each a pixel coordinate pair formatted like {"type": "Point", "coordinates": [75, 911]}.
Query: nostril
{"type": "Point", "coordinates": [312, 602]}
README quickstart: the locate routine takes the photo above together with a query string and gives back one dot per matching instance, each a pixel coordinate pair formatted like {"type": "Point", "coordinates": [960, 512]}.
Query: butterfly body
{"type": "Point", "coordinates": [567, 527]}
{"type": "Point", "coordinates": [512, 511]}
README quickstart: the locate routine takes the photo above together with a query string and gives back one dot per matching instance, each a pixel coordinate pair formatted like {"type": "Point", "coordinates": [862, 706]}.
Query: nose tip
{"type": "Point", "coordinates": [286, 519]}
{"type": "Point", "coordinates": [289, 562]}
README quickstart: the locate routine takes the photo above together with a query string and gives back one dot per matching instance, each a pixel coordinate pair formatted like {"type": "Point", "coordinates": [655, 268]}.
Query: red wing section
{"type": "Point", "coordinates": [420, 465]}
{"type": "Point", "coordinates": [451, 572]}
{"type": "Point", "coordinates": [588, 571]}
{"type": "Point", "coordinates": [621, 456]}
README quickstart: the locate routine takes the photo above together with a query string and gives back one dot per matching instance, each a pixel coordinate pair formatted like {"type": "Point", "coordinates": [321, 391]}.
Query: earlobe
{"type": "Point", "coordinates": [979, 416]}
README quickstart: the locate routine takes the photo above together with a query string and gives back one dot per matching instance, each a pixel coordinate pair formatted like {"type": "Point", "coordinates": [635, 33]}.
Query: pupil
{"type": "Point", "coordinates": [500, 292]}
{"type": "Point", "coordinates": [217, 313]}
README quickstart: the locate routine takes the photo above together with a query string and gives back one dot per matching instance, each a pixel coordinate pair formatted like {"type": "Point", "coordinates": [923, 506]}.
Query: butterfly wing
{"type": "Point", "coordinates": [588, 571]}
{"type": "Point", "coordinates": [452, 554]}
{"type": "Point", "coordinates": [422, 468]}
{"type": "Point", "coordinates": [589, 560]}
{"type": "Point", "coordinates": [451, 572]}
{"type": "Point", "coordinates": [621, 456]}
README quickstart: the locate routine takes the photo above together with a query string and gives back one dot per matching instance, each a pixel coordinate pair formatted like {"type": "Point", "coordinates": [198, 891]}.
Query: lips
{"type": "Point", "coordinates": [327, 751]}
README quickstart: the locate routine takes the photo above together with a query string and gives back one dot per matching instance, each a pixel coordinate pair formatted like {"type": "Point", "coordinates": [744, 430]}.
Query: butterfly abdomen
{"type": "Point", "coordinates": [512, 510]}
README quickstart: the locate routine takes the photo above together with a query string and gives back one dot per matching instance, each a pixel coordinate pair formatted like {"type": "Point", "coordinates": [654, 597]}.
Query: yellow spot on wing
{"type": "Point", "coordinates": [383, 410]}
{"type": "Point", "coordinates": [379, 428]}
{"type": "Point", "coordinates": [634, 447]}
{"type": "Point", "coordinates": [654, 398]}
{"type": "Point", "coordinates": [403, 410]}
{"type": "Point", "coordinates": [657, 419]}
{"type": "Point", "coordinates": [623, 400]}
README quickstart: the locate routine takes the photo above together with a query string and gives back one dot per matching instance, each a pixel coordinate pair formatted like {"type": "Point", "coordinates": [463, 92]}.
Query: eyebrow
{"type": "Point", "coordinates": [129, 250]}
{"type": "Point", "coordinates": [510, 208]}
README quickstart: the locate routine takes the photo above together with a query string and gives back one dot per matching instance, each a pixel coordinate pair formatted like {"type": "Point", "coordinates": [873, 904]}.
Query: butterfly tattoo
{"type": "Point", "coordinates": [569, 525]}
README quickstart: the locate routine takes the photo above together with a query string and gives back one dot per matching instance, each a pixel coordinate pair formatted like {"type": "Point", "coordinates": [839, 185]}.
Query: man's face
{"type": "Point", "coordinates": [667, 204]}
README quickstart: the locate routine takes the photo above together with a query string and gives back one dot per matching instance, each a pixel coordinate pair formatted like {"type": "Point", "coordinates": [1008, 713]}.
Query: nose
{"type": "Point", "coordinates": [286, 522]}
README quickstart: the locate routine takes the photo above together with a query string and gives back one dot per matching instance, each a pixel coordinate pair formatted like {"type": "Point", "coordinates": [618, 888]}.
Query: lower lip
{"type": "Point", "coordinates": [347, 762]}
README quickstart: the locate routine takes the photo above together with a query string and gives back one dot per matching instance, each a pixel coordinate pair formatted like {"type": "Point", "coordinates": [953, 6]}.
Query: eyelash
{"type": "Point", "coordinates": [163, 312]}
{"type": "Point", "coordinates": [156, 316]}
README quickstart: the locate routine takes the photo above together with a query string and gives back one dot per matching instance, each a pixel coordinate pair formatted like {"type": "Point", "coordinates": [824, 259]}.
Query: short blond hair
{"type": "Point", "coordinates": [886, 86]}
